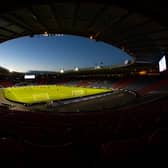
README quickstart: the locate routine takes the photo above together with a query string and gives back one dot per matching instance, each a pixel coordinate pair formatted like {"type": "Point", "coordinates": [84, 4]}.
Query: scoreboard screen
{"type": "Point", "coordinates": [29, 77]}
{"type": "Point", "coordinates": [162, 64]}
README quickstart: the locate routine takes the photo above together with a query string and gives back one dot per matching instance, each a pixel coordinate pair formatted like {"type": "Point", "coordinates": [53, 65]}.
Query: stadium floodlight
{"type": "Point", "coordinates": [91, 37]}
{"type": "Point", "coordinates": [126, 62]}
{"type": "Point", "coordinates": [97, 67]}
{"type": "Point", "coordinates": [143, 72]}
{"type": "Point", "coordinates": [62, 71]}
{"type": "Point", "coordinates": [45, 33]}
{"type": "Point", "coordinates": [76, 69]}
{"type": "Point", "coordinates": [11, 70]}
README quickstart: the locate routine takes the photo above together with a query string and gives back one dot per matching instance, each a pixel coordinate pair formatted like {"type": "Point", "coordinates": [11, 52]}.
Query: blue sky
{"type": "Point", "coordinates": [55, 53]}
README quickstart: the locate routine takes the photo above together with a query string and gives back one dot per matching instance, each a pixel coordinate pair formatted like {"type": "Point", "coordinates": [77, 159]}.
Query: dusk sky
{"type": "Point", "coordinates": [55, 53]}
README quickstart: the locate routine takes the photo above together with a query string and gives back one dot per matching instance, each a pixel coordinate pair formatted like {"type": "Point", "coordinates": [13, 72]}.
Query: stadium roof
{"type": "Point", "coordinates": [3, 71]}
{"type": "Point", "coordinates": [138, 27]}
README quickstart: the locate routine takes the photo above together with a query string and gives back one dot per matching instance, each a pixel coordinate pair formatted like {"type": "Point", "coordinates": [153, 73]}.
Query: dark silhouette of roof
{"type": "Point", "coordinates": [137, 27]}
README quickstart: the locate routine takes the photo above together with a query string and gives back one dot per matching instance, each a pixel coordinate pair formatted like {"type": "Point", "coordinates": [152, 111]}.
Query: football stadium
{"type": "Point", "coordinates": [86, 116]}
{"type": "Point", "coordinates": [37, 94]}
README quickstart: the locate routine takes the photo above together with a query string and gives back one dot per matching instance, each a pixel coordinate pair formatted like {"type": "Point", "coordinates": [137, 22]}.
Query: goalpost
{"type": "Point", "coordinates": [80, 92]}
{"type": "Point", "coordinates": [41, 96]}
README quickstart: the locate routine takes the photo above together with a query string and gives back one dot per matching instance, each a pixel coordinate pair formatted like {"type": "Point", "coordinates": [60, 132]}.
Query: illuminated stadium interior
{"type": "Point", "coordinates": [64, 100]}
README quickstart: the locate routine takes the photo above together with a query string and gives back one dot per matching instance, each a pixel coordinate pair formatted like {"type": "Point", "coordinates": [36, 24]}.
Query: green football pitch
{"type": "Point", "coordinates": [47, 93]}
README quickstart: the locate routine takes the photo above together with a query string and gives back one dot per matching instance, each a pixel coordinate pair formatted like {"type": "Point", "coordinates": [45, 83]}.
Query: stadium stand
{"type": "Point", "coordinates": [123, 83]}
{"type": "Point", "coordinates": [43, 139]}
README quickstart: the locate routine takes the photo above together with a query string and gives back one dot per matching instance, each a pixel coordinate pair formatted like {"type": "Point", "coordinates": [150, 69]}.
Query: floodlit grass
{"type": "Point", "coordinates": [46, 93]}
